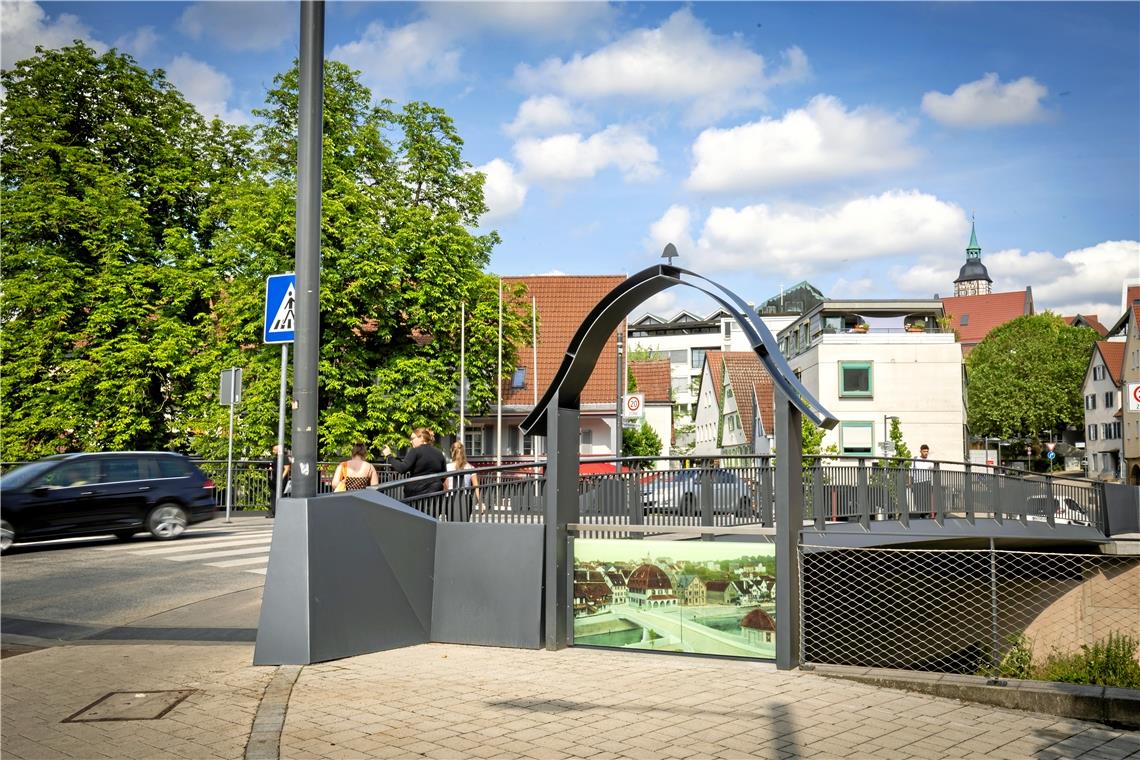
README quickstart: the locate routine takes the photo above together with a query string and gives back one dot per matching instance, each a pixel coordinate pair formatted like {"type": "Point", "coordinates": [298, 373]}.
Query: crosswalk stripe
{"type": "Point", "coordinates": [239, 562]}
{"type": "Point", "coordinates": [217, 554]}
{"type": "Point", "coordinates": [189, 545]}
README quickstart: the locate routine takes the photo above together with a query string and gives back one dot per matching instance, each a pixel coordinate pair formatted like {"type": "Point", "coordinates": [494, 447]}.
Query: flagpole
{"type": "Point", "coordinates": [499, 383]}
{"type": "Point", "coordinates": [462, 370]}
{"type": "Point", "coordinates": [534, 363]}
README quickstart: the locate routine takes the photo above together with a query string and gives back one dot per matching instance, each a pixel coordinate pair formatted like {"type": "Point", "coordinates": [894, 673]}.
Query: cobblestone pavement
{"type": "Point", "coordinates": [42, 688]}
{"type": "Point", "coordinates": [450, 701]}
{"type": "Point", "coordinates": [446, 701]}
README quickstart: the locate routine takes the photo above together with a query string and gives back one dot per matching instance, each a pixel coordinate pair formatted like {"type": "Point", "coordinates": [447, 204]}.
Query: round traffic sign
{"type": "Point", "coordinates": [1051, 455]}
{"type": "Point", "coordinates": [632, 404]}
{"type": "Point", "coordinates": [1136, 393]}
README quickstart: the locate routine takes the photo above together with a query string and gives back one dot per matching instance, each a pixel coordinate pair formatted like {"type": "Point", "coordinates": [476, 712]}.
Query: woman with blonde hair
{"type": "Point", "coordinates": [355, 473]}
{"type": "Point", "coordinates": [465, 478]}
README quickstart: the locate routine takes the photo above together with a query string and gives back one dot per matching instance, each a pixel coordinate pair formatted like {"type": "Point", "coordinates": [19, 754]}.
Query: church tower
{"type": "Point", "coordinates": [973, 279]}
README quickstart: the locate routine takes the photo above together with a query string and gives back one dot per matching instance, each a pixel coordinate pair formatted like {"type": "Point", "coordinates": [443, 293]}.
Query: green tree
{"type": "Point", "coordinates": [641, 441]}
{"type": "Point", "coordinates": [108, 285]}
{"type": "Point", "coordinates": [398, 263]}
{"type": "Point", "coordinates": [1025, 377]}
{"type": "Point", "coordinates": [902, 451]}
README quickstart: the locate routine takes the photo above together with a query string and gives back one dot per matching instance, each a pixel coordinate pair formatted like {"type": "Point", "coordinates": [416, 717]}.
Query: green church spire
{"type": "Point", "coordinates": [975, 250]}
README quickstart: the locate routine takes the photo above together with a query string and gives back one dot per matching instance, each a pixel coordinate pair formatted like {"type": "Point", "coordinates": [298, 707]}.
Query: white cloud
{"type": "Point", "coordinates": [25, 25]}
{"type": "Point", "coordinates": [547, 20]}
{"type": "Point", "coordinates": [801, 241]}
{"type": "Point", "coordinates": [239, 26]}
{"type": "Point", "coordinates": [139, 43]}
{"type": "Point", "coordinates": [987, 103]}
{"type": "Point", "coordinates": [206, 87]}
{"type": "Point", "coordinates": [822, 141]}
{"type": "Point", "coordinates": [391, 58]}
{"type": "Point", "coordinates": [572, 157]}
{"type": "Point", "coordinates": [674, 226]}
{"type": "Point", "coordinates": [681, 61]}
{"type": "Point", "coordinates": [545, 114]}
{"type": "Point", "coordinates": [1085, 281]}
{"type": "Point", "coordinates": [503, 190]}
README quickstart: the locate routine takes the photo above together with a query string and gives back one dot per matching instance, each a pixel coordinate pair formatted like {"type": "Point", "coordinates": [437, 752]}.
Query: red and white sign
{"type": "Point", "coordinates": [1050, 446]}
{"type": "Point", "coordinates": [635, 405]}
{"type": "Point", "coordinates": [1134, 397]}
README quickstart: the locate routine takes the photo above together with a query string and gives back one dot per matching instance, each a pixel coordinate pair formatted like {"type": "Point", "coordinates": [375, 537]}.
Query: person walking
{"type": "Point", "coordinates": [922, 482]}
{"type": "Point", "coordinates": [355, 473]}
{"type": "Point", "coordinates": [465, 481]}
{"type": "Point", "coordinates": [421, 459]}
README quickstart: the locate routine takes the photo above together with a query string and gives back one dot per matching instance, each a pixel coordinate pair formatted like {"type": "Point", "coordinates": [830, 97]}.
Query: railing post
{"type": "Point", "coordinates": [863, 489]}
{"type": "Point", "coordinates": [900, 491]}
{"type": "Point", "coordinates": [636, 508]}
{"type": "Point", "coordinates": [706, 501]}
{"type": "Point", "coordinates": [968, 494]}
{"type": "Point", "coordinates": [939, 496]}
{"type": "Point", "coordinates": [766, 511]}
{"type": "Point", "coordinates": [1050, 510]}
{"type": "Point", "coordinates": [818, 502]}
{"type": "Point", "coordinates": [997, 492]}
{"type": "Point", "coordinates": [561, 508]}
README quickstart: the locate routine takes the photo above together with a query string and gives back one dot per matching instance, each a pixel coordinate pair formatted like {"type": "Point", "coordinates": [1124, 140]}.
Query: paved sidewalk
{"type": "Point", "coordinates": [450, 701]}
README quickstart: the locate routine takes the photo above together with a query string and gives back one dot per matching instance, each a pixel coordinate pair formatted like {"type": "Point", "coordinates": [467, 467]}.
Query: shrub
{"type": "Point", "coordinates": [1109, 662]}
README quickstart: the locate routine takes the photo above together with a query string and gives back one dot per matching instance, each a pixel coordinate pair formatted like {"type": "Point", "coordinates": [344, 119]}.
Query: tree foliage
{"type": "Point", "coordinates": [137, 237]}
{"type": "Point", "coordinates": [641, 441]}
{"type": "Point", "coordinates": [108, 173]}
{"type": "Point", "coordinates": [1025, 377]}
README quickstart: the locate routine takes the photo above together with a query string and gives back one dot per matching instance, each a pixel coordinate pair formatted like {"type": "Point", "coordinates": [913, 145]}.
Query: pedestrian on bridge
{"type": "Point", "coordinates": [422, 459]}
{"type": "Point", "coordinates": [355, 473]}
{"type": "Point", "coordinates": [922, 482]}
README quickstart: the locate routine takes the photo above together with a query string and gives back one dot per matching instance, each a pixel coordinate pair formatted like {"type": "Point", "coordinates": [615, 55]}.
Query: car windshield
{"type": "Point", "coordinates": [25, 473]}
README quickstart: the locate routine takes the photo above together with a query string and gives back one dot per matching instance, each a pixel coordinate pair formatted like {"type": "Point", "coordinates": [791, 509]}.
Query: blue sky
{"type": "Point", "coordinates": [843, 143]}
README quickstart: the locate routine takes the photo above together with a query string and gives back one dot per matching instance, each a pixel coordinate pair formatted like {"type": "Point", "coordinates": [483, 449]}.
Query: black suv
{"type": "Point", "coordinates": [91, 494]}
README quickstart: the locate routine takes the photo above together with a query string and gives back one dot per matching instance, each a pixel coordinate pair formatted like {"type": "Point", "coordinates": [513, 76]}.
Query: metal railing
{"type": "Point", "coordinates": [680, 491]}
{"type": "Point", "coordinates": [960, 611]}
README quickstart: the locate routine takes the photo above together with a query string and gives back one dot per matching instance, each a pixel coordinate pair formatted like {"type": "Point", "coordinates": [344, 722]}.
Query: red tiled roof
{"type": "Point", "coordinates": [1090, 321]}
{"type": "Point", "coordinates": [1113, 354]}
{"type": "Point", "coordinates": [652, 379]}
{"type": "Point", "coordinates": [984, 313]}
{"type": "Point", "coordinates": [715, 362]}
{"type": "Point", "coordinates": [562, 302]}
{"type": "Point", "coordinates": [746, 373]}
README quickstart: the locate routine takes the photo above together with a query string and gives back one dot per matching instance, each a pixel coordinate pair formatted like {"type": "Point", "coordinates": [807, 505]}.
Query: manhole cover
{"type": "Point", "coordinates": [130, 705]}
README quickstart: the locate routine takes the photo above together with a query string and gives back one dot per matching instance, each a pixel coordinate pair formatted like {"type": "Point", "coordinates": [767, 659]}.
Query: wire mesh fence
{"type": "Point", "coordinates": [960, 611]}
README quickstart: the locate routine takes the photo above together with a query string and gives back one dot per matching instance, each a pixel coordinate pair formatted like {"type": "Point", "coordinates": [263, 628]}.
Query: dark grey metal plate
{"type": "Point", "coordinates": [130, 705]}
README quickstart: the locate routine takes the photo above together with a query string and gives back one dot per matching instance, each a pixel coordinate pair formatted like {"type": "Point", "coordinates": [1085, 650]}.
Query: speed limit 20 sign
{"type": "Point", "coordinates": [634, 405]}
{"type": "Point", "coordinates": [1134, 397]}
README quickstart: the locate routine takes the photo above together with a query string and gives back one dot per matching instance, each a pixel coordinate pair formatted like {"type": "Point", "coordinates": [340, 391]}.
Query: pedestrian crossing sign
{"type": "Point", "coordinates": [280, 307]}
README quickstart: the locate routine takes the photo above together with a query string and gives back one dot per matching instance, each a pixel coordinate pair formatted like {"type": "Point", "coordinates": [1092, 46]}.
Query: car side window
{"type": "Point", "coordinates": [172, 467]}
{"type": "Point", "coordinates": [71, 474]}
{"type": "Point", "coordinates": [119, 469]}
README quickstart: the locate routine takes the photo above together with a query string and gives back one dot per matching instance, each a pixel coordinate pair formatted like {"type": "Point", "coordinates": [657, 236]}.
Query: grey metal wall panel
{"type": "Point", "coordinates": [348, 574]}
{"type": "Point", "coordinates": [488, 585]}
{"type": "Point", "coordinates": [1122, 508]}
{"type": "Point", "coordinates": [283, 628]}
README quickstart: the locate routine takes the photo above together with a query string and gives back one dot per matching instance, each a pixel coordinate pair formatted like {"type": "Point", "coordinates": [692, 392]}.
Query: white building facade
{"type": "Point", "coordinates": [1103, 418]}
{"type": "Point", "coordinates": [867, 361]}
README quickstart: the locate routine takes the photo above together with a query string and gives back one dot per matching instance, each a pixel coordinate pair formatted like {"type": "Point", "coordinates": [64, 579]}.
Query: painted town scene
{"type": "Point", "coordinates": [704, 597]}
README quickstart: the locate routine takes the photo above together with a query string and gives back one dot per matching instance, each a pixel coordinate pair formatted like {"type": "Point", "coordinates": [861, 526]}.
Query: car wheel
{"type": "Point", "coordinates": [7, 535]}
{"type": "Point", "coordinates": [166, 521]}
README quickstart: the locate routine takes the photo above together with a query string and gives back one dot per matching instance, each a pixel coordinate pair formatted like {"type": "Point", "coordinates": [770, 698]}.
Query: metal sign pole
{"type": "Point", "coordinates": [230, 446]}
{"type": "Point", "coordinates": [277, 479]}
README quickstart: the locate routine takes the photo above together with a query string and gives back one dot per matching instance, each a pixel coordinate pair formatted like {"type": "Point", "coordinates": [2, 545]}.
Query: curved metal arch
{"type": "Point", "coordinates": [594, 332]}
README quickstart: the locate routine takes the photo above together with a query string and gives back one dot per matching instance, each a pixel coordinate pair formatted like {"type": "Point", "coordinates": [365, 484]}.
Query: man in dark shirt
{"type": "Point", "coordinates": [422, 459]}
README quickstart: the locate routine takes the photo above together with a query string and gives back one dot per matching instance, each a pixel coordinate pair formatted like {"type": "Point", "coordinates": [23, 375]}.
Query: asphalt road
{"type": "Point", "coordinates": [101, 589]}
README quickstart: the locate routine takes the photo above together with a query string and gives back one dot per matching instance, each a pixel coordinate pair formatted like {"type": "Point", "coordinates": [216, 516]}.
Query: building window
{"type": "Point", "coordinates": [474, 441]}
{"type": "Point", "coordinates": [856, 437]}
{"type": "Point", "coordinates": [1109, 397]}
{"type": "Point", "coordinates": [518, 379]}
{"type": "Point", "coordinates": [965, 321]}
{"type": "Point", "coordinates": [1092, 432]}
{"type": "Point", "coordinates": [1090, 401]}
{"type": "Point", "coordinates": [698, 357]}
{"type": "Point", "coordinates": [527, 445]}
{"type": "Point", "coordinates": [1098, 372]}
{"type": "Point", "coordinates": [728, 331]}
{"type": "Point", "coordinates": [586, 437]}
{"type": "Point", "coordinates": [855, 379]}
